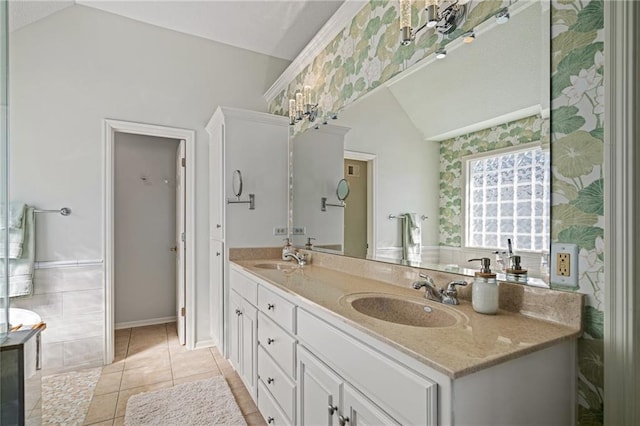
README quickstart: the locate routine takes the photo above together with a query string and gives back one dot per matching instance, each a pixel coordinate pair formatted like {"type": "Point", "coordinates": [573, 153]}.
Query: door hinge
{"type": "Point", "coordinates": [182, 237]}
{"type": "Point", "coordinates": [184, 162]}
{"type": "Point", "coordinates": [182, 311]}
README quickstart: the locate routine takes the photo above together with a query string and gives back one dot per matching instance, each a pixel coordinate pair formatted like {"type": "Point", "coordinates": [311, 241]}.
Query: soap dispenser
{"type": "Point", "coordinates": [515, 272]}
{"type": "Point", "coordinates": [484, 293]}
{"type": "Point", "coordinates": [288, 248]}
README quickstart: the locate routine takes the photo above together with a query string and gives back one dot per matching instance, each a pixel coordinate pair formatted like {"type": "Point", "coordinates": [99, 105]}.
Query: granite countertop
{"type": "Point", "coordinates": [475, 342]}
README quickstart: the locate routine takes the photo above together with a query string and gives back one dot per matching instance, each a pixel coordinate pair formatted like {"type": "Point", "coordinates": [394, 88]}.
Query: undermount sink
{"type": "Point", "coordinates": [398, 310]}
{"type": "Point", "coordinates": [279, 266]}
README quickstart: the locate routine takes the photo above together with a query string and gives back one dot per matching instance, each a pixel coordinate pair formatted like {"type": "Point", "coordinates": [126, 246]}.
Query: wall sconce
{"type": "Point", "coordinates": [303, 105]}
{"type": "Point", "coordinates": [444, 17]}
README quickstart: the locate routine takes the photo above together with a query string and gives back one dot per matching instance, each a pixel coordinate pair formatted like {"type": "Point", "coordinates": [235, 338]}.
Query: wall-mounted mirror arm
{"type": "Point", "coordinates": [324, 204]}
{"type": "Point", "coordinates": [251, 201]}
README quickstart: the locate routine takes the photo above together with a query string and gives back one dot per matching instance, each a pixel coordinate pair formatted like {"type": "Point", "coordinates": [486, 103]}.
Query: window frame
{"type": "Point", "coordinates": [466, 195]}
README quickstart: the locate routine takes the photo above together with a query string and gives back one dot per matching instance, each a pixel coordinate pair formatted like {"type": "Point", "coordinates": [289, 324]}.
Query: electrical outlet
{"type": "Point", "coordinates": [299, 230]}
{"type": "Point", "coordinates": [279, 231]}
{"type": "Point", "coordinates": [564, 265]}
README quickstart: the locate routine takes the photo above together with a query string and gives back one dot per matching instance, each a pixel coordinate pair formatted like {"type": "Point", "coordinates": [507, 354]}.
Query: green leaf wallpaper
{"type": "Point", "coordinates": [367, 53]}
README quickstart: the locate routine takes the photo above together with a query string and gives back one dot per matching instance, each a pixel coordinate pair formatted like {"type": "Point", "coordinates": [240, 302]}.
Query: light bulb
{"type": "Point", "coordinates": [468, 37]}
{"type": "Point", "coordinates": [405, 21]}
{"type": "Point", "coordinates": [432, 15]}
{"type": "Point", "coordinates": [299, 104]}
{"type": "Point", "coordinates": [441, 53]}
{"type": "Point", "coordinates": [292, 111]}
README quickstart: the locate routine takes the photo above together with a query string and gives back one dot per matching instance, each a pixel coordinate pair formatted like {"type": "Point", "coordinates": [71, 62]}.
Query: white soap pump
{"type": "Point", "coordinates": [484, 293]}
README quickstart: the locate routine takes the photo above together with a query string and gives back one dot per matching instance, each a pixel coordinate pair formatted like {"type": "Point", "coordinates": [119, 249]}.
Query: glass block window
{"type": "Point", "coordinates": [508, 196]}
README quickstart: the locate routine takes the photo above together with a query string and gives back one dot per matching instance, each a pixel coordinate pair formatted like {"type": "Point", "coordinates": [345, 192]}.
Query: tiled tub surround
{"type": "Point", "coordinates": [70, 300]}
{"type": "Point", "coordinates": [480, 341]}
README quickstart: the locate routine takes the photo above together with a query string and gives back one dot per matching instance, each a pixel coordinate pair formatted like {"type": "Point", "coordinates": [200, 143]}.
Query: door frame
{"type": "Point", "coordinates": [110, 127]}
{"type": "Point", "coordinates": [372, 192]}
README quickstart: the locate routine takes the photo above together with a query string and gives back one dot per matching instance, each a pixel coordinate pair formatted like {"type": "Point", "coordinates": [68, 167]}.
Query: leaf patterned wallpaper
{"type": "Point", "coordinates": [526, 130]}
{"type": "Point", "coordinates": [366, 53]}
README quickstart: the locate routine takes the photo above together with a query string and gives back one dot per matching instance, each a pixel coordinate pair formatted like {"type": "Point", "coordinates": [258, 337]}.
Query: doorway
{"type": "Point", "coordinates": [149, 229]}
{"type": "Point", "coordinates": [360, 211]}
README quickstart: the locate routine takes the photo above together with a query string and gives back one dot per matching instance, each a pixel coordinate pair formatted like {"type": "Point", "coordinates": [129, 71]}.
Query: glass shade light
{"type": "Point", "coordinates": [432, 15]}
{"type": "Point", "coordinates": [441, 53]}
{"type": "Point", "coordinates": [405, 21]}
{"type": "Point", "coordinates": [292, 111]}
{"type": "Point", "coordinates": [469, 37]}
{"type": "Point", "coordinates": [299, 105]}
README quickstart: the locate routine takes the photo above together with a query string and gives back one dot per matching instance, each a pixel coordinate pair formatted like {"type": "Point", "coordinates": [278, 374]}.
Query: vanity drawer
{"type": "Point", "coordinates": [276, 308]}
{"type": "Point", "coordinates": [277, 343]}
{"type": "Point", "coordinates": [269, 409]}
{"type": "Point", "coordinates": [244, 286]}
{"type": "Point", "coordinates": [408, 397]}
{"type": "Point", "coordinates": [276, 381]}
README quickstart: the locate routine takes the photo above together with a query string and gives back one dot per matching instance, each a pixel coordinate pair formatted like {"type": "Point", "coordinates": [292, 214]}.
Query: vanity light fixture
{"type": "Point", "coordinates": [443, 15]}
{"type": "Point", "coordinates": [502, 17]}
{"type": "Point", "coordinates": [303, 105]}
{"type": "Point", "coordinates": [441, 53]}
{"type": "Point", "coordinates": [469, 37]}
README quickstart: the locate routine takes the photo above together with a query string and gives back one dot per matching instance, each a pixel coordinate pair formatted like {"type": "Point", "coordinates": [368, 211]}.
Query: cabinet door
{"type": "Point", "coordinates": [358, 410]}
{"type": "Point", "coordinates": [216, 183]}
{"type": "Point", "coordinates": [216, 277]}
{"type": "Point", "coordinates": [319, 391]}
{"type": "Point", "coordinates": [249, 346]}
{"type": "Point", "coordinates": [235, 328]}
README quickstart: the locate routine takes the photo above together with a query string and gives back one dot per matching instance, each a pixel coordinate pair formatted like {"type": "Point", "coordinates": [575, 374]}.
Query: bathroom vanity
{"type": "Point", "coordinates": [317, 345]}
{"type": "Point", "coordinates": [21, 379]}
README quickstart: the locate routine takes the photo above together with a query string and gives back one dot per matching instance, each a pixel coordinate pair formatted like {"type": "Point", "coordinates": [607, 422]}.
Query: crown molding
{"type": "Point", "coordinates": [343, 16]}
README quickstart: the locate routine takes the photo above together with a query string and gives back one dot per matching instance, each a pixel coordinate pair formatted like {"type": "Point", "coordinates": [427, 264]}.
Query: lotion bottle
{"type": "Point", "coordinates": [484, 293]}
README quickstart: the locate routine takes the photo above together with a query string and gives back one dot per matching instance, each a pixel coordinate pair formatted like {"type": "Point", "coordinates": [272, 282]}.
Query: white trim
{"type": "Point", "coordinates": [142, 323]}
{"type": "Point", "coordinates": [622, 212]}
{"type": "Point", "coordinates": [205, 344]}
{"type": "Point", "coordinates": [51, 264]}
{"type": "Point", "coordinates": [110, 127]}
{"type": "Point", "coordinates": [372, 196]}
{"type": "Point", "coordinates": [339, 21]}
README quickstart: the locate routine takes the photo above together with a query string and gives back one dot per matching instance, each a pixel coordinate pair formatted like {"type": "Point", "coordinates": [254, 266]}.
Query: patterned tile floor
{"type": "Point", "coordinates": [150, 358]}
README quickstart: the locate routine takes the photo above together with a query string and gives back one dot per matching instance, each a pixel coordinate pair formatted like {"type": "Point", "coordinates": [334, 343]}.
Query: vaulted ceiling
{"type": "Point", "coordinates": [274, 27]}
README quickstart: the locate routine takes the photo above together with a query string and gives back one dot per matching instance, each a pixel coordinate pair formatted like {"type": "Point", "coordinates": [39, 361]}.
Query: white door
{"type": "Point", "coordinates": [180, 244]}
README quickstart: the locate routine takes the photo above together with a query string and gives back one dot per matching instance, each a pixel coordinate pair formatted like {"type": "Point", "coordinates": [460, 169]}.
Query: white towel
{"type": "Point", "coordinates": [21, 269]}
{"type": "Point", "coordinates": [15, 234]}
{"type": "Point", "coordinates": [411, 237]}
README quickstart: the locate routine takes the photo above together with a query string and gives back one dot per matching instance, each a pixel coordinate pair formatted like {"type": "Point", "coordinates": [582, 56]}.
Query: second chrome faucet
{"type": "Point", "coordinates": [448, 296]}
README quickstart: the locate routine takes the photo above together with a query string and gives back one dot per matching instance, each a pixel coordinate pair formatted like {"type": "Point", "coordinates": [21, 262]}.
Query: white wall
{"type": "Point", "coordinates": [318, 165]}
{"type": "Point", "coordinates": [145, 227]}
{"type": "Point", "coordinates": [408, 174]}
{"type": "Point", "coordinates": [79, 66]}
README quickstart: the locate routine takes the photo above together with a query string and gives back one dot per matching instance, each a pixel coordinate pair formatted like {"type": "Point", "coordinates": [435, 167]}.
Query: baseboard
{"type": "Point", "coordinates": [142, 323]}
{"type": "Point", "coordinates": [205, 344]}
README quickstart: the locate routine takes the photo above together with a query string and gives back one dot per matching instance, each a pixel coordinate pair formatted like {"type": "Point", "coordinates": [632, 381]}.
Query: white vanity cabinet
{"type": "Point", "coordinates": [242, 342]}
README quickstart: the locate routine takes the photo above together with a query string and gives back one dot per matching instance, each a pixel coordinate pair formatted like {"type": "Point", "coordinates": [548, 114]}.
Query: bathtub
{"type": "Point", "coordinates": [23, 316]}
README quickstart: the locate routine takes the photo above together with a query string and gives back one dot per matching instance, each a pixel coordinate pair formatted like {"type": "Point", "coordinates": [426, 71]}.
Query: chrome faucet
{"type": "Point", "coordinates": [301, 258]}
{"type": "Point", "coordinates": [448, 296]}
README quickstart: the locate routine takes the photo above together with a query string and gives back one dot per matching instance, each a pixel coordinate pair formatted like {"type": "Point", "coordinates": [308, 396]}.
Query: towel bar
{"type": "Point", "coordinates": [65, 211]}
{"type": "Point", "coordinates": [423, 217]}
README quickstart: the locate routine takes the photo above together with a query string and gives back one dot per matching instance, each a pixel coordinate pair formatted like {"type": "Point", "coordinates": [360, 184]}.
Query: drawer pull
{"type": "Point", "coordinates": [271, 306]}
{"type": "Point", "coordinates": [271, 420]}
{"type": "Point", "coordinates": [343, 420]}
{"type": "Point", "coordinates": [270, 340]}
{"type": "Point", "coordinates": [270, 380]}
{"type": "Point", "coordinates": [332, 409]}
{"type": "Point", "coordinates": [238, 312]}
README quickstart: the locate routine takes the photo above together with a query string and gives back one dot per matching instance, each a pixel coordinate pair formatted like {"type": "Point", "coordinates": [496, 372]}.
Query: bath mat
{"type": "Point", "coordinates": [205, 402]}
{"type": "Point", "coordinates": [66, 397]}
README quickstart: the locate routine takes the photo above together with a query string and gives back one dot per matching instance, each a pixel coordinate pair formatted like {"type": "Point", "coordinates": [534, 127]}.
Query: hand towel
{"type": "Point", "coordinates": [21, 269]}
{"type": "Point", "coordinates": [411, 237]}
{"type": "Point", "coordinates": [15, 234]}
{"type": "Point", "coordinates": [16, 213]}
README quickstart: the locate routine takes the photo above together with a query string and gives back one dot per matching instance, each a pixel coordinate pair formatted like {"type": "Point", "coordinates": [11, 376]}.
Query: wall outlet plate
{"type": "Point", "coordinates": [564, 265]}
{"type": "Point", "coordinates": [280, 231]}
{"type": "Point", "coordinates": [299, 230]}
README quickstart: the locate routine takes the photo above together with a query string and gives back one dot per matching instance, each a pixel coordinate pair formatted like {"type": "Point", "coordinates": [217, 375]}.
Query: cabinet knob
{"type": "Point", "coordinates": [217, 253]}
{"type": "Point", "coordinates": [343, 420]}
{"type": "Point", "coordinates": [271, 306]}
{"type": "Point", "coordinates": [271, 420]}
{"type": "Point", "coordinates": [238, 312]}
{"type": "Point", "coordinates": [270, 380]}
{"type": "Point", "coordinates": [218, 225]}
{"type": "Point", "coordinates": [332, 409]}
{"type": "Point", "coordinates": [270, 340]}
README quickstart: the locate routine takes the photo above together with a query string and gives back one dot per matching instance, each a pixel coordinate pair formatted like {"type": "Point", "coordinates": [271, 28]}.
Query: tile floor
{"type": "Point", "coordinates": [150, 358]}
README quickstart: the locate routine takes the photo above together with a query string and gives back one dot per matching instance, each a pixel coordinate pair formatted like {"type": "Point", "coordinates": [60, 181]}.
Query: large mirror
{"type": "Point", "coordinates": [446, 162]}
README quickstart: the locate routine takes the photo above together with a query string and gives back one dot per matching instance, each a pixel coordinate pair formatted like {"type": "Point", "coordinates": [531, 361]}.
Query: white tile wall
{"type": "Point", "coordinates": [71, 301]}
